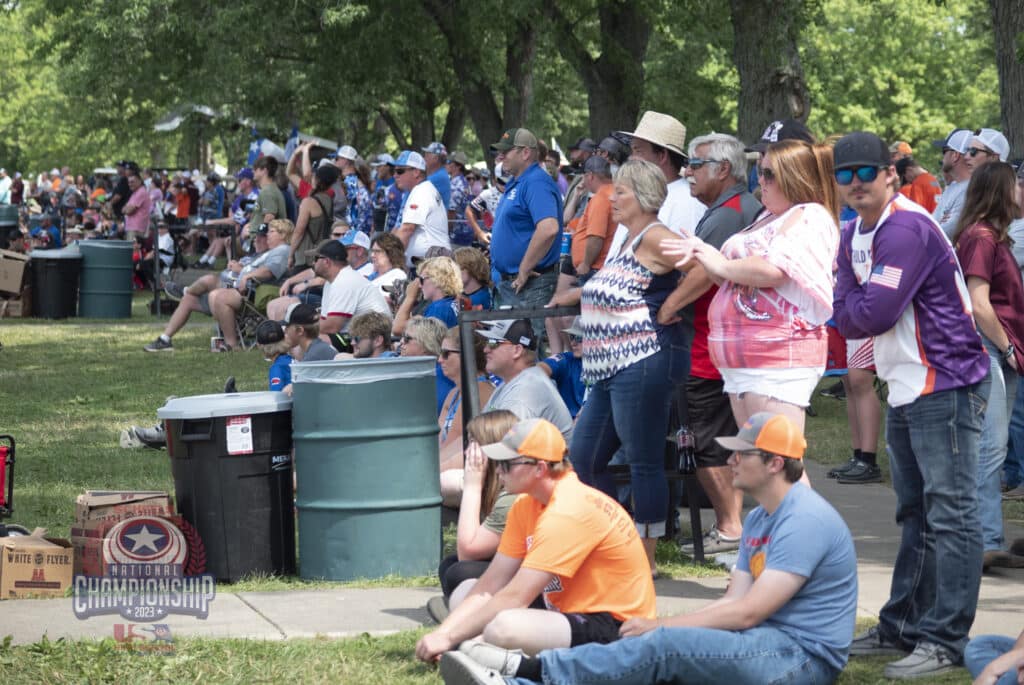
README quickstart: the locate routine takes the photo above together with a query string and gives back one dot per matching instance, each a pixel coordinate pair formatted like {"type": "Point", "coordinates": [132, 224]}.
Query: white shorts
{"type": "Point", "coordinates": [793, 386]}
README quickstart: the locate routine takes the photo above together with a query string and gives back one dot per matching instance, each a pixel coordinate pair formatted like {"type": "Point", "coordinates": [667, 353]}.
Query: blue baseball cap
{"type": "Point", "coordinates": [244, 172]}
{"type": "Point", "coordinates": [356, 238]}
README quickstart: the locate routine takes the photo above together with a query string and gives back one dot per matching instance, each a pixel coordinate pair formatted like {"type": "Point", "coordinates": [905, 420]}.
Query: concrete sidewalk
{"type": "Point", "coordinates": [868, 510]}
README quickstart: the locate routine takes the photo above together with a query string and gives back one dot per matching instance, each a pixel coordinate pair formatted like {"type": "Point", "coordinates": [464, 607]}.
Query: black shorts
{"type": "Point", "coordinates": [565, 265]}
{"type": "Point", "coordinates": [710, 417]}
{"type": "Point", "coordinates": [600, 627]}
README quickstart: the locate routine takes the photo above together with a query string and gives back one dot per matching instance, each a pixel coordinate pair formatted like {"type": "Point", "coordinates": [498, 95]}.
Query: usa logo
{"type": "Point", "coordinates": [145, 540]}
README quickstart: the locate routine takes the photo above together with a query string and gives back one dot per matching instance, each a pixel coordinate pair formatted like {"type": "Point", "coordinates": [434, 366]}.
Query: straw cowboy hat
{"type": "Point", "coordinates": [660, 129]}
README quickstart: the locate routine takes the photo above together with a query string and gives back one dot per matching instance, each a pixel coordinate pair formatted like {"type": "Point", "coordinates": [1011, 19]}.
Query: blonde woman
{"type": "Point", "coordinates": [482, 511]}
{"type": "Point", "coordinates": [440, 282]}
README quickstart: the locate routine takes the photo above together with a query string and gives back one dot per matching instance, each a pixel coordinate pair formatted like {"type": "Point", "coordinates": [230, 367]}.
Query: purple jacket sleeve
{"type": "Point", "coordinates": [862, 311]}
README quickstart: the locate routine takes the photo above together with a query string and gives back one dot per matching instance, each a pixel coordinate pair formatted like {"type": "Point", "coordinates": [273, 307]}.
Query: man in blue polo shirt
{"type": "Point", "coordinates": [524, 249]}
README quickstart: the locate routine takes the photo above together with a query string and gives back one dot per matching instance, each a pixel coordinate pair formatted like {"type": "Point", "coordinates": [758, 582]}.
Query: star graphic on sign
{"type": "Point", "coordinates": [144, 539]}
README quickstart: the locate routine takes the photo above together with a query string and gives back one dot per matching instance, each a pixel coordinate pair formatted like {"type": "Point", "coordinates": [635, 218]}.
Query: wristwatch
{"type": "Point", "coordinates": [1008, 352]}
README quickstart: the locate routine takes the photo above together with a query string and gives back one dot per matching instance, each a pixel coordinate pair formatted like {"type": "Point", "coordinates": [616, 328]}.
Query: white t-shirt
{"type": "Point", "coordinates": [681, 213]}
{"type": "Point", "coordinates": [349, 295]}
{"type": "Point", "coordinates": [424, 208]}
{"type": "Point", "coordinates": [165, 243]}
{"type": "Point", "coordinates": [388, 278]}
{"type": "Point", "coordinates": [366, 270]}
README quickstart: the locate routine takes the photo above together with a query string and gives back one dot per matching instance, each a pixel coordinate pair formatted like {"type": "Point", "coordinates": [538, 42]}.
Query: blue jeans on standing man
{"type": "Point", "coordinates": [631, 410]}
{"type": "Point", "coordinates": [992, 448]}
{"type": "Point", "coordinates": [762, 655]}
{"type": "Point", "coordinates": [933, 454]}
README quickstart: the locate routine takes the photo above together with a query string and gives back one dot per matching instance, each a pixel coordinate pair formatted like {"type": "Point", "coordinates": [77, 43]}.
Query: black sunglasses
{"type": "Point", "coordinates": [865, 174]}
{"type": "Point", "coordinates": [975, 151]}
{"type": "Point", "coordinates": [447, 353]}
{"type": "Point", "coordinates": [766, 174]}
{"type": "Point", "coordinates": [399, 172]}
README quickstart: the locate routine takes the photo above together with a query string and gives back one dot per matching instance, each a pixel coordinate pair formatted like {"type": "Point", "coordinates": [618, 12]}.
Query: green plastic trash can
{"type": "Point", "coordinates": [232, 466]}
{"type": "Point", "coordinates": [8, 226]}
{"type": "Point", "coordinates": [366, 463]}
{"type": "Point", "coordinates": [106, 290]}
{"type": "Point", "coordinates": [55, 282]}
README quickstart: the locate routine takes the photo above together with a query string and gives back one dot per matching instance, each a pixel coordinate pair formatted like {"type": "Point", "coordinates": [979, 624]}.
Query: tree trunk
{"type": "Point", "coordinates": [615, 79]}
{"type": "Point", "coordinates": [765, 52]}
{"type": "Point", "coordinates": [1008, 23]}
{"type": "Point", "coordinates": [465, 50]}
{"type": "Point", "coordinates": [453, 124]}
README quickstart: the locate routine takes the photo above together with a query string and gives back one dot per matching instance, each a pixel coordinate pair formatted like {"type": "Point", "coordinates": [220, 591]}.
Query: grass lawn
{"type": "Point", "coordinates": [364, 660]}
{"type": "Point", "coordinates": [66, 391]}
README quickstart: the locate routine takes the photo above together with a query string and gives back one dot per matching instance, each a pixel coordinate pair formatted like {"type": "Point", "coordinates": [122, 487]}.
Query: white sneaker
{"type": "Point", "coordinates": [458, 669]}
{"type": "Point", "coordinates": [130, 441]}
{"type": "Point", "coordinates": [504, 661]}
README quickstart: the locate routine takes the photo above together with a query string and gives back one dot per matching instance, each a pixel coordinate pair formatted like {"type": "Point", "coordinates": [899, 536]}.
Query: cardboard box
{"type": "Point", "coordinates": [35, 566]}
{"type": "Point", "coordinates": [87, 544]}
{"type": "Point", "coordinates": [12, 271]}
{"type": "Point", "coordinates": [97, 507]}
{"type": "Point", "coordinates": [16, 307]}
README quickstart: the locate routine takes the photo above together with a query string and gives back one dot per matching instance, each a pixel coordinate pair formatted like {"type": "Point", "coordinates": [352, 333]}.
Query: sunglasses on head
{"type": "Point", "coordinates": [865, 174]}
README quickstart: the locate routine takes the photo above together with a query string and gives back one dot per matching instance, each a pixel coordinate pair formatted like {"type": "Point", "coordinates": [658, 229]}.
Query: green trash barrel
{"type": "Point", "coordinates": [9, 231]}
{"type": "Point", "coordinates": [106, 289]}
{"type": "Point", "coordinates": [366, 465]}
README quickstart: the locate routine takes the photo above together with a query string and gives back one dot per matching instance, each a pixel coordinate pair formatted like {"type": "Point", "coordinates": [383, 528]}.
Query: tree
{"type": "Point", "coordinates": [906, 83]}
{"type": "Point", "coordinates": [614, 78]}
{"type": "Point", "coordinates": [1008, 22]}
{"type": "Point", "coordinates": [772, 86]}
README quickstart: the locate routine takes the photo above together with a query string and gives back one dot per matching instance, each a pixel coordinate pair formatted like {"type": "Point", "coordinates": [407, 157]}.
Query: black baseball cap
{"type": "Point", "coordinates": [331, 249]}
{"type": "Point", "coordinates": [269, 332]}
{"type": "Point", "coordinates": [783, 129]}
{"type": "Point", "coordinates": [861, 148]}
{"type": "Point", "coordinates": [301, 314]}
{"type": "Point", "coordinates": [585, 144]}
{"type": "Point", "coordinates": [518, 331]}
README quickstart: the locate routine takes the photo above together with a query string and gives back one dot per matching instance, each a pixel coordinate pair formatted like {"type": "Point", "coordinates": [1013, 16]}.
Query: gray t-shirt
{"type": "Point", "coordinates": [530, 395]}
{"type": "Point", "coordinates": [1017, 235]}
{"type": "Point", "coordinates": [275, 259]}
{"type": "Point", "coordinates": [270, 201]}
{"type": "Point", "coordinates": [948, 208]}
{"type": "Point", "coordinates": [319, 351]}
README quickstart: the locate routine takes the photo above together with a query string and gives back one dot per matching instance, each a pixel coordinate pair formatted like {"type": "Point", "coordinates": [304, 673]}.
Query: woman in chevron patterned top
{"type": "Point", "coordinates": [767, 331]}
{"type": "Point", "coordinates": [630, 361]}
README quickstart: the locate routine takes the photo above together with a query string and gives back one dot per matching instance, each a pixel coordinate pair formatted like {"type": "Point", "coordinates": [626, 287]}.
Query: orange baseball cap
{"type": "Point", "coordinates": [770, 433]}
{"type": "Point", "coordinates": [533, 438]}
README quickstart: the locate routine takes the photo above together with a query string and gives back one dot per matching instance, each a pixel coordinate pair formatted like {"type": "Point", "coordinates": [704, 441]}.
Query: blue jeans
{"type": "Point", "coordinates": [535, 294]}
{"type": "Point", "coordinates": [759, 655]}
{"type": "Point", "coordinates": [933, 455]}
{"type": "Point", "coordinates": [631, 410]}
{"type": "Point", "coordinates": [992, 448]}
{"type": "Point", "coordinates": [1013, 467]}
{"type": "Point", "coordinates": [983, 650]}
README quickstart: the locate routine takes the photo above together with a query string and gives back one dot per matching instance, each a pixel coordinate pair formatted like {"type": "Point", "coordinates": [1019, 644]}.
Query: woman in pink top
{"type": "Point", "coordinates": [767, 322]}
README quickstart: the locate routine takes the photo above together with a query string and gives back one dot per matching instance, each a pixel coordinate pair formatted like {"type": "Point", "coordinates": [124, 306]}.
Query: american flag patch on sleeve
{"type": "Point", "coordinates": [886, 276]}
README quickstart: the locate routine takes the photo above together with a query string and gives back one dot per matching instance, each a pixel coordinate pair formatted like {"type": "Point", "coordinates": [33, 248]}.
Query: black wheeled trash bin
{"type": "Point", "coordinates": [55, 282]}
{"type": "Point", "coordinates": [232, 466]}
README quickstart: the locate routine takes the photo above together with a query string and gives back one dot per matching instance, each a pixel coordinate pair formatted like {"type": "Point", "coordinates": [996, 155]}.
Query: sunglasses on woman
{"type": "Point", "coordinates": [447, 353]}
{"type": "Point", "coordinates": [865, 174]}
{"type": "Point", "coordinates": [765, 174]}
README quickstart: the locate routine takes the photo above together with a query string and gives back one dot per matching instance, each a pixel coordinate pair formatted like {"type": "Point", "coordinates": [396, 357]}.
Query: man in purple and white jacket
{"type": "Point", "coordinates": [899, 282]}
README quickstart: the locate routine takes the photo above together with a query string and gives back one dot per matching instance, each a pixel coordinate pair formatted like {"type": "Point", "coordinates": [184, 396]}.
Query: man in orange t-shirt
{"type": "Point", "coordinates": [919, 185]}
{"type": "Point", "coordinates": [563, 540]}
{"type": "Point", "coordinates": [591, 236]}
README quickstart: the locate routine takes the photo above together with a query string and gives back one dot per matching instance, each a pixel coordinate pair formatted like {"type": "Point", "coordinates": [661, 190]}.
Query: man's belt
{"type": "Point", "coordinates": [537, 270]}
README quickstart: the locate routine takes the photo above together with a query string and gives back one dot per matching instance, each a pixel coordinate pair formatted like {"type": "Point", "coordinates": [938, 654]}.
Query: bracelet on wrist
{"type": "Point", "coordinates": [1008, 352]}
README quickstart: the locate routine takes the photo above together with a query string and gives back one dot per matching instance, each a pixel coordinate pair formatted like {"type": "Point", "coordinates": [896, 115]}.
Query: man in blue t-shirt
{"type": "Point", "coordinates": [792, 597]}
{"type": "Point", "coordinates": [566, 370]}
{"type": "Point", "coordinates": [436, 155]}
{"type": "Point", "coordinates": [524, 249]}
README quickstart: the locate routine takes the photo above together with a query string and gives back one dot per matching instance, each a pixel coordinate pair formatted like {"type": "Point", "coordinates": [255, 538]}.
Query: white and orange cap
{"type": "Point", "coordinates": [532, 438]}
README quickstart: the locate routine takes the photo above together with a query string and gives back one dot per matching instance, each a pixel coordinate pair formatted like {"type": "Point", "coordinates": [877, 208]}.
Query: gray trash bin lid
{"type": "Point", "coordinates": [233, 404]}
{"type": "Point", "coordinates": [355, 371]}
{"type": "Point", "coordinates": [71, 252]}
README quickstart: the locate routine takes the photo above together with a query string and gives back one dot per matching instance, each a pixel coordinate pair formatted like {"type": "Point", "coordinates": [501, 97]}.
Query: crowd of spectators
{"type": "Point", "coordinates": [717, 283]}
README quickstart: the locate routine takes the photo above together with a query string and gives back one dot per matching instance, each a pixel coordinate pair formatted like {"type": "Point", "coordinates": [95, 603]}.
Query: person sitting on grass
{"type": "Point", "coordinates": [997, 659]}
{"type": "Point", "coordinates": [224, 303]}
{"type": "Point", "coordinates": [271, 339]}
{"type": "Point", "coordinates": [482, 511]}
{"type": "Point", "coordinates": [788, 615]}
{"type": "Point", "coordinates": [449, 439]}
{"type": "Point", "coordinates": [423, 337]}
{"type": "Point", "coordinates": [563, 539]}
